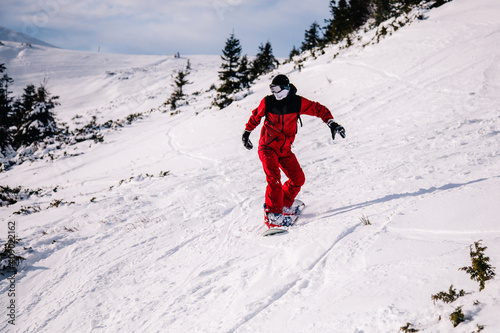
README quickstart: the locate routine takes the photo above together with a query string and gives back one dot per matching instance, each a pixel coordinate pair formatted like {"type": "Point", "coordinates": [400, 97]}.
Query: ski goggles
{"type": "Point", "coordinates": [276, 88]}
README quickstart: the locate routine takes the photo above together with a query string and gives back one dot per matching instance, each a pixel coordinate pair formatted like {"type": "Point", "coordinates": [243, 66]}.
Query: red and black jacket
{"type": "Point", "coordinates": [280, 124]}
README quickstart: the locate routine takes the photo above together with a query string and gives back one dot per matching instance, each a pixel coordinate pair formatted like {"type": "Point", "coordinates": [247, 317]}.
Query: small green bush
{"type": "Point", "coordinates": [480, 270]}
{"type": "Point", "coordinates": [407, 329]}
{"type": "Point", "coordinates": [8, 258]}
{"type": "Point", "coordinates": [448, 297]}
{"type": "Point", "coordinates": [457, 316]}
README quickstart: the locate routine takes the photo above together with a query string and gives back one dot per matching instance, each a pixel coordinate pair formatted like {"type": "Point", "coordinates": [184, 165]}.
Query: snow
{"type": "Point", "coordinates": [130, 249]}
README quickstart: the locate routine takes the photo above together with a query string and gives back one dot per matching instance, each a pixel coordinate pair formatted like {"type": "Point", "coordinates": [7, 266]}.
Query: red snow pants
{"type": "Point", "coordinates": [278, 194]}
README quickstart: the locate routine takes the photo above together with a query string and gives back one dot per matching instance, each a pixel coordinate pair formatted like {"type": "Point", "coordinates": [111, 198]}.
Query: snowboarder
{"type": "Point", "coordinates": [282, 111]}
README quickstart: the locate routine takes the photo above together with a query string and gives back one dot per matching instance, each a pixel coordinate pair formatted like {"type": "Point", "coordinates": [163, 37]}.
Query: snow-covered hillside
{"type": "Point", "coordinates": [157, 229]}
{"type": "Point", "coordinates": [19, 37]}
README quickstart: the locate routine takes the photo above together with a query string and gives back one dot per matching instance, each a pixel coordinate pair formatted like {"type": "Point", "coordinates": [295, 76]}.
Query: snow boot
{"type": "Point", "coordinates": [276, 220]}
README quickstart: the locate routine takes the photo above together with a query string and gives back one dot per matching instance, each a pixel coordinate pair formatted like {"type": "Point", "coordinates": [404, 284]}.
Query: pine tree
{"type": "Point", "coordinates": [5, 110]}
{"type": "Point", "coordinates": [229, 72]}
{"type": "Point", "coordinates": [347, 17]}
{"type": "Point", "coordinates": [360, 12]}
{"type": "Point", "coordinates": [23, 105]}
{"type": "Point", "coordinates": [383, 10]}
{"type": "Point", "coordinates": [180, 80]}
{"type": "Point", "coordinates": [244, 72]}
{"type": "Point", "coordinates": [311, 37]}
{"type": "Point", "coordinates": [35, 117]}
{"type": "Point", "coordinates": [294, 52]}
{"type": "Point", "coordinates": [264, 61]}
{"type": "Point", "coordinates": [231, 58]}
{"type": "Point", "coordinates": [341, 24]}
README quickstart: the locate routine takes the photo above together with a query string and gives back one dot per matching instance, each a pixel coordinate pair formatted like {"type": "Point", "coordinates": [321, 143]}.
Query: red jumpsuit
{"type": "Point", "coordinates": [275, 144]}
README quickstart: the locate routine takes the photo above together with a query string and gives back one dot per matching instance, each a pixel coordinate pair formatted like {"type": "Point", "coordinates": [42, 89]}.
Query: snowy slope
{"type": "Point", "coordinates": [108, 86]}
{"type": "Point", "coordinates": [14, 36]}
{"type": "Point", "coordinates": [138, 252]}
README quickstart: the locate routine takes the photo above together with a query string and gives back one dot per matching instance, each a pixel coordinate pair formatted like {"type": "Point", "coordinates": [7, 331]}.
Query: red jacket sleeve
{"type": "Point", "coordinates": [315, 109]}
{"type": "Point", "coordinates": [256, 116]}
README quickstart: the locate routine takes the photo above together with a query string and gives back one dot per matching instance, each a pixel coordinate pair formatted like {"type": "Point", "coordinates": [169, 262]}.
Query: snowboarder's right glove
{"type": "Point", "coordinates": [246, 140]}
{"type": "Point", "coordinates": [336, 128]}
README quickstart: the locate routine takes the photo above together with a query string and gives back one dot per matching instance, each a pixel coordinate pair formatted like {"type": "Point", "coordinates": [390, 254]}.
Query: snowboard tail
{"type": "Point", "coordinates": [274, 231]}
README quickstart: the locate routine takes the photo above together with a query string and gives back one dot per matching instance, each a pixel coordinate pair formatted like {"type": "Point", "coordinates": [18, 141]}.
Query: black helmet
{"type": "Point", "coordinates": [279, 83]}
{"type": "Point", "coordinates": [280, 80]}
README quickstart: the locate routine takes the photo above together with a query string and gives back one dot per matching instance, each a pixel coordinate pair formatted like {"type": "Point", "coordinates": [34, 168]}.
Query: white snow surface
{"type": "Point", "coordinates": [137, 252]}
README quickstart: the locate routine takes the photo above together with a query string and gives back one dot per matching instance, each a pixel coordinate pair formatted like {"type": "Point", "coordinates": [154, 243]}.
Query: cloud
{"type": "Point", "coordinates": [164, 27]}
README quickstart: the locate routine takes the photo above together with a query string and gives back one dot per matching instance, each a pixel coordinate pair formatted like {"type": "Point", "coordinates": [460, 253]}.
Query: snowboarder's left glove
{"type": "Point", "coordinates": [336, 128]}
{"type": "Point", "coordinates": [246, 140]}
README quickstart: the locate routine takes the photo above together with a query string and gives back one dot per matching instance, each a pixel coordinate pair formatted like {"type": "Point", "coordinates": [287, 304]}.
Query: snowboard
{"type": "Point", "coordinates": [297, 207]}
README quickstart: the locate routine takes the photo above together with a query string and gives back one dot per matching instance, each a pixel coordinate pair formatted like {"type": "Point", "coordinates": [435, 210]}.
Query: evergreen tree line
{"type": "Point", "coordinates": [26, 119]}
{"type": "Point", "coordinates": [348, 16]}
{"type": "Point", "coordinates": [238, 72]}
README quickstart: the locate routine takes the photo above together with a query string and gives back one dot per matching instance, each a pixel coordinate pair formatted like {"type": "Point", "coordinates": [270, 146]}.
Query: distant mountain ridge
{"type": "Point", "coordinates": [14, 36]}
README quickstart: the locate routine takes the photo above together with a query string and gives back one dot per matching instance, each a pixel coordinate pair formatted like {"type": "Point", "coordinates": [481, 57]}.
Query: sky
{"type": "Point", "coordinates": [165, 27]}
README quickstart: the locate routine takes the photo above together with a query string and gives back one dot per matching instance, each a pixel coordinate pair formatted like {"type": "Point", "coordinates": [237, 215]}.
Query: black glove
{"type": "Point", "coordinates": [246, 140]}
{"type": "Point", "coordinates": [336, 128]}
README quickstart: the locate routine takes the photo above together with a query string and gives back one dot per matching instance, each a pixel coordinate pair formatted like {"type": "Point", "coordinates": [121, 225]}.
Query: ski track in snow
{"type": "Point", "coordinates": [300, 283]}
{"type": "Point", "coordinates": [183, 252]}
